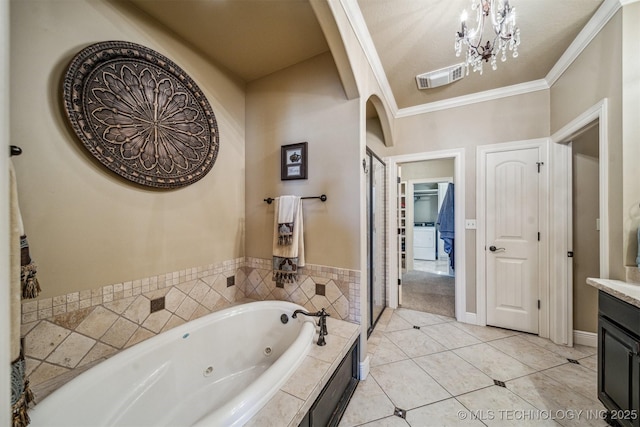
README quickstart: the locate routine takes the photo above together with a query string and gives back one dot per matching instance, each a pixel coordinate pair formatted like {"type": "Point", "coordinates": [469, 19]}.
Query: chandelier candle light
{"type": "Point", "coordinates": [507, 34]}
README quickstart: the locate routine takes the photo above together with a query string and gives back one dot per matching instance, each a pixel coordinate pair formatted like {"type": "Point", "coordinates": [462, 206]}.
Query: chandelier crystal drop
{"type": "Point", "coordinates": [506, 34]}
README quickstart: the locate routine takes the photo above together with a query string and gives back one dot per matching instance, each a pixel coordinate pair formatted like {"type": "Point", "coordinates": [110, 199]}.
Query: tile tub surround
{"type": "Point", "coordinates": [292, 402]}
{"type": "Point", "coordinates": [68, 334]}
{"type": "Point", "coordinates": [339, 292]}
{"type": "Point", "coordinates": [625, 291]}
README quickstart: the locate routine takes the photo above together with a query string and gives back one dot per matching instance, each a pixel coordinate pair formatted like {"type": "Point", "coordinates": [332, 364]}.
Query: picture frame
{"type": "Point", "coordinates": [293, 161]}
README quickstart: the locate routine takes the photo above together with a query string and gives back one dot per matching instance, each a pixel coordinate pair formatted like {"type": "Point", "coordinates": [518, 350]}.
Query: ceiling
{"type": "Point", "coordinates": [254, 38]}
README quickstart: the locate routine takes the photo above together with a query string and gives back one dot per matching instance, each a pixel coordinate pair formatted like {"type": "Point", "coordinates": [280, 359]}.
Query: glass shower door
{"type": "Point", "coordinates": [376, 237]}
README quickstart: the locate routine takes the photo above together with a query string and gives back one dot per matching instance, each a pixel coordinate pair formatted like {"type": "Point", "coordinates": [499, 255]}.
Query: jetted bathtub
{"type": "Point", "coordinates": [218, 370]}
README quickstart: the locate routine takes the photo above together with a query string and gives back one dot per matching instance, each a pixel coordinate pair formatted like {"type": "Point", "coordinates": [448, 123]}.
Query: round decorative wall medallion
{"type": "Point", "coordinates": [140, 115]}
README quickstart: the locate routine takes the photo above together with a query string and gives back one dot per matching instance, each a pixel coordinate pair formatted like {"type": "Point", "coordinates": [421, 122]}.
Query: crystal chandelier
{"type": "Point", "coordinates": [506, 34]}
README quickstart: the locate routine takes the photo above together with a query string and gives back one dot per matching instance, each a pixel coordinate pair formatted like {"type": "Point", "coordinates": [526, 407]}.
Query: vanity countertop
{"type": "Point", "coordinates": [627, 292]}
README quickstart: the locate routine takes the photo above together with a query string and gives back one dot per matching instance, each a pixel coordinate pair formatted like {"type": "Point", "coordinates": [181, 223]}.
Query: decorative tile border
{"type": "Point", "coordinates": [66, 334]}
{"type": "Point", "coordinates": [341, 288]}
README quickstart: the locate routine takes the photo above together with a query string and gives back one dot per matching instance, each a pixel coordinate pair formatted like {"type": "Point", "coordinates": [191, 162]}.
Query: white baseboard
{"type": "Point", "coordinates": [589, 339]}
{"type": "Point", "coordinates": [471, 318]}
{"type": "Point", "coordinates": [363, 368]}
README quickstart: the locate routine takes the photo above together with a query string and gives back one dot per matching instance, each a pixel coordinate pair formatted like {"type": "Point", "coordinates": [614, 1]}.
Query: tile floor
{"type": "Point", "coordinates": [443, 373]}
{"type": "Point", "coordinates": [436, 267]}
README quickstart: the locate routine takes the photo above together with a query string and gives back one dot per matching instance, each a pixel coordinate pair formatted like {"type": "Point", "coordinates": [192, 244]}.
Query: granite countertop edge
{"type": "Point", "coordinates": [625, 291]}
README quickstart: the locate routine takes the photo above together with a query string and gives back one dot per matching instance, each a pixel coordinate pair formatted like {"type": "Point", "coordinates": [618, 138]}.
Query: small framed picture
{"type": "Point", "coordinates": [293, 162]}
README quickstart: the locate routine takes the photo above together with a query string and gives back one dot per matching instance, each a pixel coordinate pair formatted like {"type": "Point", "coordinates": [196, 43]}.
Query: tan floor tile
{"type": "Point", "coordinates": [444, 413]}
{"type": "Point", "coordinates": [397, 323]}
{"type": "Point", "coordinates": [415, 343]}
{"type": "Point", "coordinates": [419, 318]}
{"type": "Point", "coordinates": [392, 421]}
{"type": "Point", "coordinates": [407, 385]}
{"type": "Point", "coordinates": [575, 352]}
{"type": "Point", "coordinates": [590, 362]}
{"type": "Point", "coordinates": [369, 402]}
{"type": "Point", "coordinates": [468, 373]}
{"type": "Point", "coordinates": [528, 353]}
{"type": "Point", "coordinates": [579, 378]}
{"type": "Point", "coordinates": [547, 394]}
{"type": "Point", "coordinates": [453, 373]}
{"type": "Point", "coordinates": [485, 333]}
{"type": "Point", "coordinates": [497, 406]}
{"type": "Point", "coordinates": [449, 336]}
{"type": "Point", "coordinates": [493, 362]}
{"type": "Point", "coordinates": [387, 352]}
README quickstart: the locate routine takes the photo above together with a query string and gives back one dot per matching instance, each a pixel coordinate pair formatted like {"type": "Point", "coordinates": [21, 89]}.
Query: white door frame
{"type": "Point", "coordinates": [561, 309]}
{"type": "Point", "coordinates": [543, 212]}
{"type": "Point", "coordinates": [459, 197]}
{"type": "Point", "coordinates": [5, 294]}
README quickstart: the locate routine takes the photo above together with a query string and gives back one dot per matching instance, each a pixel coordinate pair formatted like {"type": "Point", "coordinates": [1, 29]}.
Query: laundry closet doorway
{"type": "Point", "coordinates": [428, 281]}
{"type": "Point", "coordinates": [401, 224]}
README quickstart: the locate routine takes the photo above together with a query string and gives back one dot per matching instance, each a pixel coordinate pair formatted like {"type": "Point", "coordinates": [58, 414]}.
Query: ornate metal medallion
{"type": "Point", "coordinates": [140, 115]}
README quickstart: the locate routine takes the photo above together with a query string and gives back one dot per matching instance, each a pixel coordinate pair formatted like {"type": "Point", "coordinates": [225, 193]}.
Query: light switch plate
{"type": "Point", "coordinates": [470, 224]}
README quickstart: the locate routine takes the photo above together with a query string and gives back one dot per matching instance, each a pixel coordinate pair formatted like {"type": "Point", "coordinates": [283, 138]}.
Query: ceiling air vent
{"type": "Point", "coordinates": [440, 77]}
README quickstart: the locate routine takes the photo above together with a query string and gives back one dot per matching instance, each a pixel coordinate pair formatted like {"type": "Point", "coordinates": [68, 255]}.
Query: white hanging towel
{"type": "Point", "coordinates": [288, 242]}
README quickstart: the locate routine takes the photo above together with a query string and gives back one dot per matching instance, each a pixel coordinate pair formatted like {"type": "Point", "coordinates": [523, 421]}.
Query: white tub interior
{"type": "Point", "coordinates": [217, 370]}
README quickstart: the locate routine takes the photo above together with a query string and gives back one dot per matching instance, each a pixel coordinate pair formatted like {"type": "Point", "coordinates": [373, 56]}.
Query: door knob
{"type": "Point", "coordinates": [493, 249]}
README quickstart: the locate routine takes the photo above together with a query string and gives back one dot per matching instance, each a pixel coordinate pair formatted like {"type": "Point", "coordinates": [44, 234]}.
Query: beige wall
{"type": "Point", "coordinates": [87, 227]}
{"type": "Point", "coordinates": [630, 130]}
{"type": "Point", "coordinates": [508, 119]}
{"type": "Point", "coordinates": [305, 102]}
{"type": "Point", "coordinates": [586, 238]}
{"type": "Point", "coordinates": [440, 168]}
{"type": "Point", "coordinates": [595, 75]}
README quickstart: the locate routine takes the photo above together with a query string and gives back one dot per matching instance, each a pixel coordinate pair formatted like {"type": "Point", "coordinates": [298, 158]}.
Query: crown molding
{"type": "Point", "coordinates": [354, 14]}
{"type": "Point", "coordinates": [602, 16]}
{"type": "Point", "coordinates": [604, 13]}
{"type": "Point", "coordinates": [488, 95]}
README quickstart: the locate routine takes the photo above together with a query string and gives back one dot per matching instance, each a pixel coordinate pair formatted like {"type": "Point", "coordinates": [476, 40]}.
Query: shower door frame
{"type": "Point", "coordinates": [370, 241]}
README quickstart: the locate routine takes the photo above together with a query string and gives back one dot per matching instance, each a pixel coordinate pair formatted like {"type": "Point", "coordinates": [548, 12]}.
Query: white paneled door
{"type": "Point", "coordinates": [512, 227]}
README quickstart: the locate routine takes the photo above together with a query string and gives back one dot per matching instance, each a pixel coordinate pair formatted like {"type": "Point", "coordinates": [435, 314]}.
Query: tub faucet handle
{"type": "Point", "coordinates": [323, 326]}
